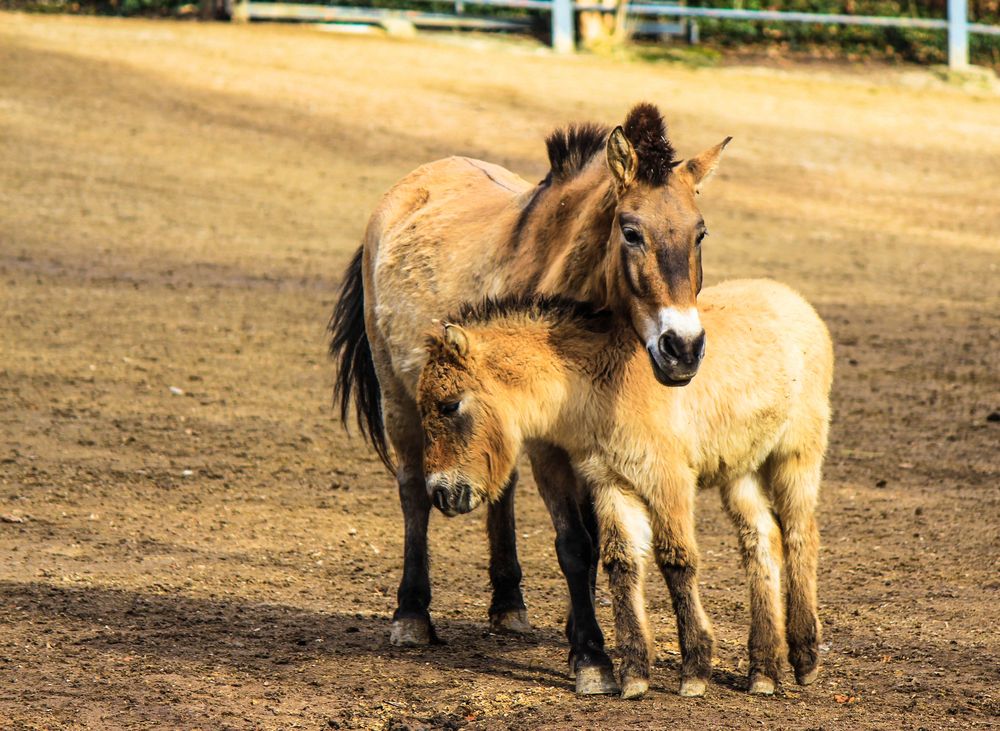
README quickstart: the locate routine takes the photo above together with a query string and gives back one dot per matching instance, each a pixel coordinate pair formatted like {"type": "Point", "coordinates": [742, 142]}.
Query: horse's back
{"type": "Point", "coordinates": [436, 239]}
{"type": "Point", "coordinates": [454, 188]}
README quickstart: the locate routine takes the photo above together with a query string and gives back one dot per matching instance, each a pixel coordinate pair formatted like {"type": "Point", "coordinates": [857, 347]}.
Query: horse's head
{"type": "Point", "coordinates": [653, 262]}
{"type": "Point", "coordinates": [470, 434]}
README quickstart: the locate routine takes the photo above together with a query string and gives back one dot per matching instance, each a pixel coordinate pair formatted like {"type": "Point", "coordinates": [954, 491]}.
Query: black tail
{"type": "Point", "coordinates": [355, 367]}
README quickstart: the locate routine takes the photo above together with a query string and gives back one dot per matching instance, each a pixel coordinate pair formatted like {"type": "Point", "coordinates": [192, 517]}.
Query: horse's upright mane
{"type": "Point", "coordinates": [553, 310]}
{"type": "Point", "coordinates": [647, 131]}
{"type": "Point", "coordinates": [572, 148]}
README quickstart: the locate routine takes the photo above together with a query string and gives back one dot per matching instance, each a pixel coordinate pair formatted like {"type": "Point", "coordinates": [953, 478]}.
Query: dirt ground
{"type": "Point", "coordinates": [190, 541]}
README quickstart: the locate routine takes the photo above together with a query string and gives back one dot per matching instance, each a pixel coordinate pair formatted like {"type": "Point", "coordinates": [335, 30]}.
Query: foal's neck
{"type": "Point", "coordinates": [561, 365]}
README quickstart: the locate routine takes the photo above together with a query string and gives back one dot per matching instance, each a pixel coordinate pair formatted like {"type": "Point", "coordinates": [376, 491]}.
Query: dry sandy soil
{"type": "Point", "coordinates": [189, 540]}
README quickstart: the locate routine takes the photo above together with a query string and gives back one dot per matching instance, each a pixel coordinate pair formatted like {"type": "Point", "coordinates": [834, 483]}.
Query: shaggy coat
{"type": "Point", "coordinates": [753, 423]}
{"type": "Point", "coordinates": [614, 223]}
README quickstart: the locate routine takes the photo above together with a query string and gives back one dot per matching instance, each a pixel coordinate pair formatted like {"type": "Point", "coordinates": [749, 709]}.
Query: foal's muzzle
{"type": "Point", "coordinates": [450, 499]}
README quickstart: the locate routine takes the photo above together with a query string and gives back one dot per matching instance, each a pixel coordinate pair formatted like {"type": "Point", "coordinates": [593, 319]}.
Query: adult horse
{"type": "Point", "coordinates": [614, 223]}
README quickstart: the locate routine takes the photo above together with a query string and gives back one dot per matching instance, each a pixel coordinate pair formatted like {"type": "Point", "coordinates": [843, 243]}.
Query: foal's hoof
{"type": "Point", "coordinates": [761, 685]}
{"type": "Point", "coordinates": [596, 680]}
{"type": "Point", "coordinates": [411, 632]}
{"type": "Point", "coordinates": [693, 687]}
{"type": "Point", "coordinates": [514, 621]}
{"type": "Point", "coordinates": [808, 677]}
{"type": "Point", "coordinates": [634, 688]}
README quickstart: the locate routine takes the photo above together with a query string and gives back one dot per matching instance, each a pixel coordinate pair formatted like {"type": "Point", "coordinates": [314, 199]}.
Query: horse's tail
{"type": "Point", "coordinates": [355, 368]}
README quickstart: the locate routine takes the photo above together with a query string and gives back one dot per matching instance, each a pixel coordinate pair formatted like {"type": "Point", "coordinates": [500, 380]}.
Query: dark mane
{"type": "Point", "coordinates": [570, 149]}
{"type": "Point", "coordinates": [645, 129]}
{"type": "Point", "coordinates": [557, 310]}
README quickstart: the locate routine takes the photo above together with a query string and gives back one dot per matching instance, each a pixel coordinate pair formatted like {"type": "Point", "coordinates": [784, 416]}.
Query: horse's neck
{"type": "Point", "coordinates": [568, 235]}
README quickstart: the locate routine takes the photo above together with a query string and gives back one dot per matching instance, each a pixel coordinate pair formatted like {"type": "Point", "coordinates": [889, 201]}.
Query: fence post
{"type": "Point", "coordinates": [562, 26]}
{"type": "Point", "coordinates": [958, 34]}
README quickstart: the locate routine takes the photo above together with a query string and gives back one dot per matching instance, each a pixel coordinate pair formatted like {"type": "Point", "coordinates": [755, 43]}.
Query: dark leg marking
{"type": "Point", "coordinates": [507, 610]}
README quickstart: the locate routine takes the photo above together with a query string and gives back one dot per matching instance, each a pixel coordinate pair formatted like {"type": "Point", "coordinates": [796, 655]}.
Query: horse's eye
{"type": "Point", "coordinates": [632, 236]}
{"type": "Point", "coordinates": [448, 408]}
{"type": "Point", "coordinates": [701, 237]}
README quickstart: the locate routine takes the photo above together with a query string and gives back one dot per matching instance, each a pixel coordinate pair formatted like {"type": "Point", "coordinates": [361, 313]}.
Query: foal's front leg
{"type": "Point", "coordinates": [671, 515]}
{"type": "Point", "coordinates": [625, 537]}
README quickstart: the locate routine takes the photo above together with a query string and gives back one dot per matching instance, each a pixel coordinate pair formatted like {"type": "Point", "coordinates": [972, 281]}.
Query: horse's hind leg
{"type": "Point", "coordinates": [794, 481]}
{"type": "Point", "coordinates": [760, 546]}
{"type": "Point", "coordinates": [577, 553]}
{"type": "Point", "coordinates": [507, 611]}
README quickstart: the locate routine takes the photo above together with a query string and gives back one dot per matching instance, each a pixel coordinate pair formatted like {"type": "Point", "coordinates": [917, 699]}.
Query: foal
{"type": "Point", "coordinates": [754, 422]}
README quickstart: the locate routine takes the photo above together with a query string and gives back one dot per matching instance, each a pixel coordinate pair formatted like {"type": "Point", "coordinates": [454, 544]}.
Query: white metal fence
{"type": "Point", "coordinates": [956, 25]}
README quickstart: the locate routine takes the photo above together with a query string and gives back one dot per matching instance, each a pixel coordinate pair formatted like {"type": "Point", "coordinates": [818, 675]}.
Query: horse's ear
{"type": "Point", "coordinates": [702, 166]}
{"type": "Point", "coordinates": [622, 160]}
{"type": "Point", "coordinates": [457, 339]}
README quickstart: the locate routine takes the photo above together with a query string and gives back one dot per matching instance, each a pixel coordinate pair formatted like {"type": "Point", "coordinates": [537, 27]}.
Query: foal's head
{"type": "Point", "coordinates": [470, 433]}
{"type": "Point", "coordinates": [653, 261]}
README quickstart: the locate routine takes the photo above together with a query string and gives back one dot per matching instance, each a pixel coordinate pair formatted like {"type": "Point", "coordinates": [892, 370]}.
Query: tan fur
{"type": "Point", "coordinates": [443, 236]}
{"type": "Point", "coordinates": [459, 230]}
{"type": "Point", "coordinates": [753, 423]}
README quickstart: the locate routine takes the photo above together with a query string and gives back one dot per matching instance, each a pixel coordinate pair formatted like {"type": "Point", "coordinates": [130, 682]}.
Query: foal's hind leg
{"type": "Point", "coordinates": [794, 482]}
{"type": "Point", "coordinates": [760, 545]}
{"type": "Point", "coordinates": [507, 611]}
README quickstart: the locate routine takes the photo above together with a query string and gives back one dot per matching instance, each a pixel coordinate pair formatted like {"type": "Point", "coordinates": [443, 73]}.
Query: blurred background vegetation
{"type": "Point", "coordinates": [854, 43]}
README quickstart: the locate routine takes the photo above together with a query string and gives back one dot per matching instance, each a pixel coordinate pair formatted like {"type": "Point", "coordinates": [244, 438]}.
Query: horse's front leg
{"type": "Point", "coordinates": [671, 514]}
{"type": "Point", "coordinates": [507, 610]}
{"type": "Point", "coordinates": [577, 553]}
{"type": "Point", "coordinates": [411, 622]}
{"type": "Point", "coordinates": [625, 538]}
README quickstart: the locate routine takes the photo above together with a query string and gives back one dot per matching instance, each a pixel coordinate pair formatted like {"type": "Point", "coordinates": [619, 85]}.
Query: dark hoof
{"type": "Point", "coordinates": [693, 687]}
{"type": "Point", "coordinates": [634, 688]}
{"type": "Point", "coordinates": [762, 685]}
{"type": "Point", "coordinates": [411, 632]}
{"type": "Point", "coordinates": [596, 680]}
{"type": "Point", "coordinates": [808, 677]}
{"type": "Point", "coordinates": [513, 621]}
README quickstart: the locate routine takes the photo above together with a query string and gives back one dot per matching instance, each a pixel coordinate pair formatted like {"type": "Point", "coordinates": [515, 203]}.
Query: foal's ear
{"type": "Point", "coordinates": [622, 159]}
{"type": "Point", "coordinates": [702, 166]}
{"type": "Point", "coordinates": [457, 339]}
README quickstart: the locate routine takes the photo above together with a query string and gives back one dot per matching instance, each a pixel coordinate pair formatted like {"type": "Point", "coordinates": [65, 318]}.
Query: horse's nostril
{"type": "Point", "coordinates": [687, 351]}
{"type": "Point", "coordinates": [698, 346]}
{"type": "Point", "coordinates": [671, 346]}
